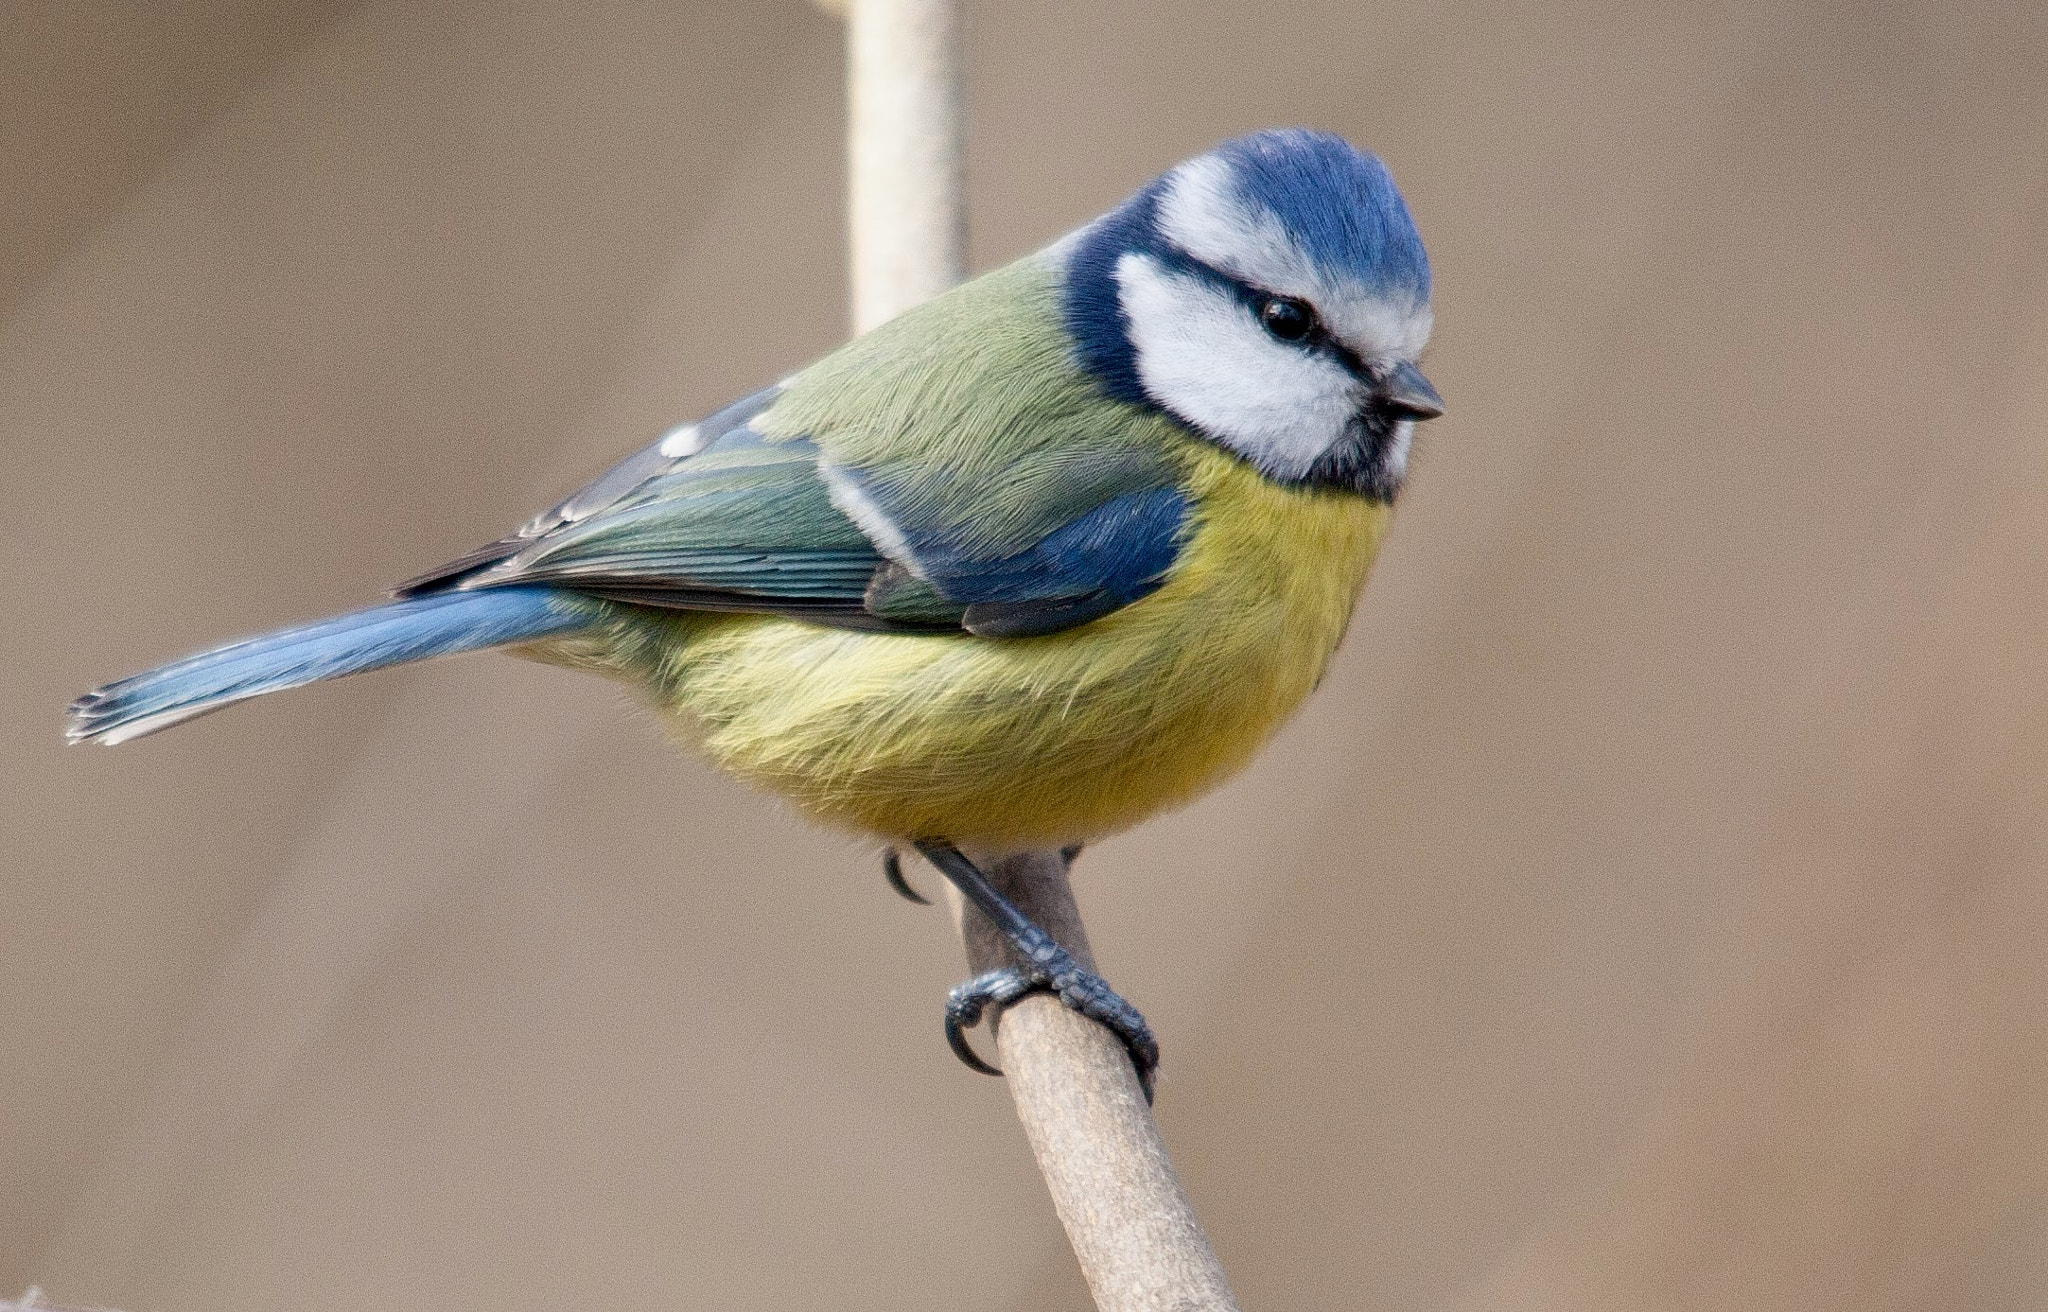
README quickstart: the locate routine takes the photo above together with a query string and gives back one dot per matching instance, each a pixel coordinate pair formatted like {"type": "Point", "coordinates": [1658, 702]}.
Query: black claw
{"type": "Point", "coordinates": [956, 1039]}
{"type": "Point", "coordinates": [892, 870]}
{"type": "Point", "coordinates": [967, 1003]}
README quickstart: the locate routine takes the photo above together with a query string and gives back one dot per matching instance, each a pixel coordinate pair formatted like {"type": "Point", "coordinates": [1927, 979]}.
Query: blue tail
{"type": "Point", "coordinates": [439, 624]}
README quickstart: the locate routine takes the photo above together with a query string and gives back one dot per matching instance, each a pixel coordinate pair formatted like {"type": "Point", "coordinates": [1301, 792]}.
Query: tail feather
{"type": "Point", "coordinates": [439, 624]}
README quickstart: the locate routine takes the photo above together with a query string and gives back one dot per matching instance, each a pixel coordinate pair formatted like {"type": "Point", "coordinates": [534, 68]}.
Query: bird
{"type": "Point", "coordinates": [1040, 558]}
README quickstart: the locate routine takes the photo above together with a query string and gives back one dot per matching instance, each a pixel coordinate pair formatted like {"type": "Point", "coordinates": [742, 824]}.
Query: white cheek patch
{"type": "Point", "coordinates": [1202, 213]}
{"type": "Point", "coordinates": [1202, 356]}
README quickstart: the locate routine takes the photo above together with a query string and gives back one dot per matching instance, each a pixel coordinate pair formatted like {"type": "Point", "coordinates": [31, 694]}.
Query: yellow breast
{"type": "Point", "coordinates": [1054, 739]}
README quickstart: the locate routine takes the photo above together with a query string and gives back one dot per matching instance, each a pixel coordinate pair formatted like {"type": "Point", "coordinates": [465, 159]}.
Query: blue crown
{"type": "Point", "coordinates": [1338, 202]}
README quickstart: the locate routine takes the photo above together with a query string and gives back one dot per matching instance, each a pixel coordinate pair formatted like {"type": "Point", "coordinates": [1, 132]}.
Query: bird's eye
{"type": "Point", "coordinates": [1287, 319]}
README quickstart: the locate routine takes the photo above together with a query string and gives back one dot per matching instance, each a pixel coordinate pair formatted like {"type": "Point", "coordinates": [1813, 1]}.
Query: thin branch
{"type": "Point", "coordinates": [1130, 1222]}
{"type": "Point", "coordinates": [1104, 1162]}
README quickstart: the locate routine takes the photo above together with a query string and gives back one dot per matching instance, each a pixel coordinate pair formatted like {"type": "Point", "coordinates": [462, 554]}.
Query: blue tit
{"type": "Point", "coordinates": [1036, 560]}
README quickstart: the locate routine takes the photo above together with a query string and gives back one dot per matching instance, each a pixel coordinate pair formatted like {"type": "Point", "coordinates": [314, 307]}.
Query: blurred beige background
{"type": "Point", "coordinates": [1650, 911]}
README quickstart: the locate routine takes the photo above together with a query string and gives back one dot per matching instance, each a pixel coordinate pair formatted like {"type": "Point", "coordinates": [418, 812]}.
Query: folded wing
{"type": "Point", "coordinates": [866, 493]}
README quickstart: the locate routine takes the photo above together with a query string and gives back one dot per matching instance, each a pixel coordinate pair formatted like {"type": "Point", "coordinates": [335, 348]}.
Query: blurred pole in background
{"type": "Point", "coordinates": [1092, 1132]}
{"type": "Point", "coordinates": [905, 212]}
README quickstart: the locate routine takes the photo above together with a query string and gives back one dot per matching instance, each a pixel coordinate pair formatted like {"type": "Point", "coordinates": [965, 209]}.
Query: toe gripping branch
{"type": "Point", "coordinates": [1050, 968]}
{"type": "Point", "coordinates": [892, 870]}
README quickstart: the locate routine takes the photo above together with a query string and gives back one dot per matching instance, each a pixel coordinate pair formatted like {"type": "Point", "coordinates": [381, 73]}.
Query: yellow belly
{"type": "Point", "coordinates": [1048, 740]}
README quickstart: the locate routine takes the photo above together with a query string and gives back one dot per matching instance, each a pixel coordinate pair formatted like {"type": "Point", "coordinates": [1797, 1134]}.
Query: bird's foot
{"type": "Point", "coordinates": [1046, 967]}
{"type": "Point", "coordinates": [1080, 989]}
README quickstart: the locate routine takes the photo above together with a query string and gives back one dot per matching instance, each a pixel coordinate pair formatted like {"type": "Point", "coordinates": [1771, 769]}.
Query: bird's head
{"type": "Point", "coordinates": [1273, 296]}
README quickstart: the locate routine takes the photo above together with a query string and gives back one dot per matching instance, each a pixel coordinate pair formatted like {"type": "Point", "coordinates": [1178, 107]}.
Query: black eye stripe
{"type": "Point", "coordinates": [1175, 260]}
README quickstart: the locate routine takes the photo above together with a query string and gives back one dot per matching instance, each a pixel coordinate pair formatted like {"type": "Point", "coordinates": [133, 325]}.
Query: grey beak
{"type": "Point", "coordinates": [1409, 394]}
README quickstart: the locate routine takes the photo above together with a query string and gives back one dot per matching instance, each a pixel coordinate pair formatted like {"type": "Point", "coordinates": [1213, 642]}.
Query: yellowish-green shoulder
{"type": "Point", "coordinates": [973, 409]}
